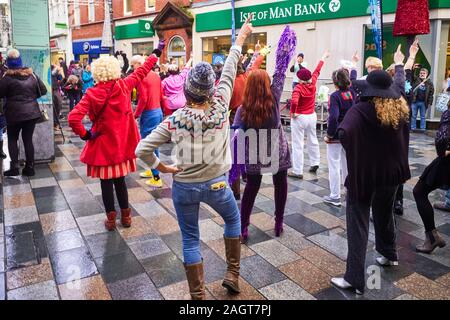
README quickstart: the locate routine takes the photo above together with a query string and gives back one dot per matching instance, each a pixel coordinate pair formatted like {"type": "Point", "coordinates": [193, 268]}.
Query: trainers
{"type": "Point", "coordinates": [295, 175]}
{"type": "Point", "coordinates": [441, 206]}
{"type": "Point", "coordinates": [146, 174]}
{"type": "Point", "coordinates": [313, 169]}
{"type": "Point", "coordinates": [155, 182]}
{"type": "Point", "coordinates": [383, 261]}
{"type": "Point", "coordinates": [398, 208]}
{"type": "Point", "coordinates": [334, 202]}
{"type": "Point", "coordinates": [342, 284]}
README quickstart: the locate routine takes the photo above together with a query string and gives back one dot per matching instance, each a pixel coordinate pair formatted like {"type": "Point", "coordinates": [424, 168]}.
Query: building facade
{"type": "Point", "coordinates": [60, 33]}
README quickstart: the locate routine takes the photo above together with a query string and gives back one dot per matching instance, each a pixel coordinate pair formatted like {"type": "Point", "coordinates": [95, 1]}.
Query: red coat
{"type": "Point", "coordinates": [304, 95]}
{"type": "Point", "coordinates": [150, 94]}
{"type": "Point", "coordinates": [116, 130]}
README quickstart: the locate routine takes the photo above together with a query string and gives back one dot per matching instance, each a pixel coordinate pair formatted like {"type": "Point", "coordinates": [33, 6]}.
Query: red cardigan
{"type": "Point", "coordinates": [150, 94]}
{"type": "Point", "coordinates": [116, 130]}
{"type": "Point", "coordinates": [304, 95]}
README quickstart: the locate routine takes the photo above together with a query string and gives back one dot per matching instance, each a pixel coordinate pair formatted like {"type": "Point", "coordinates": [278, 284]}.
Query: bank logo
{"type": "Point", "coordinates": [147, 26]}
{"type": "Point", "coordinates": [335, 5]}
{"type": "Point", "coordinates": [86, 47]}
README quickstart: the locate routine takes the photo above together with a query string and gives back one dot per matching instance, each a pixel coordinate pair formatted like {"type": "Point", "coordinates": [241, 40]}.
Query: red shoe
{"type": "Point", "coordinates": [110, 222]}
{"type": "Point", "coordinates": [126, 218]}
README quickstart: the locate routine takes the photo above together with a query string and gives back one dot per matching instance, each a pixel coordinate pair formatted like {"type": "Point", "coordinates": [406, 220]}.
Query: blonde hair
{"type": "Point", "coordinates": [105, 69]}
{"type": "Point", "coordinates": [73, 79]}
{"type": "Point", "coordinates": [374, 62]}
{"type": "Point", "coordinates": [391, 112]}
{"type": "Point", "coordinates": [137, 59]}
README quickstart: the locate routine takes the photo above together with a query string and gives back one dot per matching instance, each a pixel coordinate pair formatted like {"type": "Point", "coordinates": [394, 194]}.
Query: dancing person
{"type": "Point", "coordinates": [260, 116]}
{"type": "Point", "coordinates": [375, 137]}
{"type": "Point", "coordinates": [57, 77]}
{"type": "Point", "coordinates": [199, 174]}
{"type": "Point", "coordinates": [21, 88]}
{"type": "Point", "coordinates": [173, 87]}
{"type": "Point", "coordinates": [88, 79]}
{"type": "Point", "coordinates": [340, 102]}
{"type": "Point", "coordinates": [73, 87]}
{"type": "Point", "coordinates": [304, 120]}
{"type": "Point", "coordinates": [111, 142]}
{"type": "Point", "coordinates": [296, 68]}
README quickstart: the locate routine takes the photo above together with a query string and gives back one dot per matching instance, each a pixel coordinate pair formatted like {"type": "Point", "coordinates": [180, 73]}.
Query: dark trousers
{"type": "Point", "coordinates": [13, 130]}
{"type": "Point", "coordinates": [251, 191]}
{"type": "Point", "coordinates": [57, 106]}
{"type": "Point", "coordinates": [358, 214]}
{"type": "Point", "coordinates": [108, 193]}
{"type": "Point", "coordinates": [74, 98]}
{"type": "Point", "coordinates": [399, 194]}
{"type": "Point", "coordinates": [426, 212]}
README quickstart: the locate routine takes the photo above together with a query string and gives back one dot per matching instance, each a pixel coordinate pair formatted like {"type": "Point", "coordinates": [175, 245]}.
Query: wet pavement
{"type": "Point", "coordinates": [53, 244]}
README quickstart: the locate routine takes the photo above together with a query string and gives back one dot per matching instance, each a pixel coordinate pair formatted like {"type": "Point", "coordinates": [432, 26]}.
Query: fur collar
{"type": "Point", "coordinates": [22, 72]}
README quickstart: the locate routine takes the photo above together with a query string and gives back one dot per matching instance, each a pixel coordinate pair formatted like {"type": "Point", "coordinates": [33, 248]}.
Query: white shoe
{"type": "Point", "coordinates": [383, 261]}
{"type": "Point", "coordinates": [342, 284]}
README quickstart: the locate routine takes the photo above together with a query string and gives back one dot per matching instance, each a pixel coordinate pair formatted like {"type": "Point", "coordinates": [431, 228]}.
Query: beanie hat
{"type": "Point", "coordinates": [14, 61]}
{"type": "Point", "coordinates": [200, 82]}
{"type": "Point", "coordinates": [301, 55]}
{"type": "Point", "coordinates": [304, 74]}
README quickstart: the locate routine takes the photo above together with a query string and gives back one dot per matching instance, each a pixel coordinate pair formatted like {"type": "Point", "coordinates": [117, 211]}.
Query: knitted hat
{"type": "Point", "coordinates": [304, 74]}
{"type": "Point", "coordinates": [200, 82]}
{"type": "Point", "coordinates": [14, 61]}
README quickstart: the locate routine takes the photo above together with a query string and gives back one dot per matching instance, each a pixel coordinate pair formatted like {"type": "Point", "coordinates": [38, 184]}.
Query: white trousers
{"type": "Point", "coordinates": [304, 124]}
{"type": "Point", "coordinates": [337, 164]}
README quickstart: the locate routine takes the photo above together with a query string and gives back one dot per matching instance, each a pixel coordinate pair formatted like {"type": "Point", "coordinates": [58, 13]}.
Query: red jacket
{"type": "Point", "coordinates": [237, 97]}
{"type": "Point", "coordinates": [150, 94]}
{"type": "Point", "coordinates": [304, 95]}
{"type": "Point", "coordinates": [116, 130]}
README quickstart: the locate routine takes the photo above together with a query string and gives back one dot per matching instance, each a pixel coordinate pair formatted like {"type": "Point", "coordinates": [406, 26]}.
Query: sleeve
{"type": "Point", "coordinates": [146, 147]}
{"type": "Point", "coordinates": [139, 74]}
{"type": "Point", "coordinates": [257, 63]}
{"type": "Point", "coordinates": [399, 78]}
{"type": "Point", "coordinates": [431, 95]}
{"type": "Point", "coordinates": [316, 72]}
{"type": "Point", "coordinates": [237, 123]}
{"type": "Point", "coordinates": [126, 64]}
{"type": "Point", "coordinates": [333, 116]}
{"type": "Point", "coordinates": [3, 87]}
{"type": "Point", "coordinates": [292, 69]}
{"type": "Point", "coordinates": [294, 100]}
{"type": "Point", "coordinates": [353, 74]}
{"type": "Point", "coordinates": [184, 73]}
{"type": "Point", "coordinates": [142, 92]}
{"type": "Point", "coordinates": [42, 87]}
{"type": "Point", "coordinates": [77, 115]}
{"type": "Point", "coordinates": [226, 82]}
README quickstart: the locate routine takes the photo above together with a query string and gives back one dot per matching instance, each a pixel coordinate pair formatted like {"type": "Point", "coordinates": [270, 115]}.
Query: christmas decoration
{"type": "Point", "coordinates": [412, 18]}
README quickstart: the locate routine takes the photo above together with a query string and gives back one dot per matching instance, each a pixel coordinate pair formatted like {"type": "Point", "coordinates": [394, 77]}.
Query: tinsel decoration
{"type": "Point", "coordinates": [412, 18]}
{"type": "Point", "coordinates": [285, 51]}
{"type": "Point", "coordinates": [236, 168]}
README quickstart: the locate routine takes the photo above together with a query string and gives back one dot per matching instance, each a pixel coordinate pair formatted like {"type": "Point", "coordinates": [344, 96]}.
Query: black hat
{"type": "Point", "coordinates": [377, 84]}
{"type": "Point", "coordinates": [301, 55]}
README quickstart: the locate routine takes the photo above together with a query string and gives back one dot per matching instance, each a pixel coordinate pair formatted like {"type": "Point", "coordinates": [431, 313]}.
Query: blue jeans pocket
{"type": "Point", "coordinates": [182, 194]}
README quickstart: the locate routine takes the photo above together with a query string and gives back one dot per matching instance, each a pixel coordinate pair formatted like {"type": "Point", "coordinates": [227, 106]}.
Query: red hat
{"type": "Point", "coordinates": [304, 74]}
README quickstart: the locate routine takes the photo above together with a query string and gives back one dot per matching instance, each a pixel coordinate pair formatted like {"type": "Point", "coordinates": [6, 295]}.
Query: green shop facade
{"type": "Point", "coordinates": [135, 36]}
{"type": "Point", "coordinates": [342, 26]}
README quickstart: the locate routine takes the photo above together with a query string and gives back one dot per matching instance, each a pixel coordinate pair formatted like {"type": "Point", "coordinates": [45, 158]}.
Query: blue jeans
{"type": "Point", "coordinates": [447, 198]}
{"type": "Point", "coordinates": [418, 106]}
{"type": "Point", "coordinates": [149, 121]}
{"type": "Point", "coordinates": [187, 198]}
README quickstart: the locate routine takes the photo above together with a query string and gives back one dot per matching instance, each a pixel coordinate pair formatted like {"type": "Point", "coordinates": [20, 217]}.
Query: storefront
{"type": "Point", "coordinates": [86, 51]}
{"type": "Point", "coordinates": [58, 49]}
{"type": "Point", "coordinates": [135, 36]}
{"type": "Point", "coordinates": [319, 26]}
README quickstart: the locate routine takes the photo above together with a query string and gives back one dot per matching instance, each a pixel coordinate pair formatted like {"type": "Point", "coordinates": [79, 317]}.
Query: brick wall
{"type": "Point", "coordinates": [161, 3]}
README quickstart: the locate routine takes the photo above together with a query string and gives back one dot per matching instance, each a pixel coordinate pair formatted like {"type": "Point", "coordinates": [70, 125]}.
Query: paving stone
{"type": "Point", "coordinates": [106, 243]}
{"type": "Point", "coordinates": [139, 227]}
{"type": "Point", "coordinates": [423, 265]}
{"type": "Point", "coordinates": [292, 239]}
{"type": "Point", "coordinates": [406, 296]}
{"type": "Point", "coordinates": [303, 225]}
{"type": "Point", "coordinates": [444, 280]}
{"type": "Point", "coordinates": [147, 246]}
{"type": "Point", "coordinates": [92, 288]}
{"type": "Point", "coordinates": [18, 200]}
{"type": "Point", "coordinates": [164, 269]}
{"type": "Point", "coordinates": [16, 189]}
{"type": "Point", "coordinates": [247, 291]}
{"type": "Point", "coordinates": [307, 275]}
{"type": "Point", "coordinates": [43, 182]}
{"type": "Point", "coordinates": [149, 209]}
{"type": "Point", "coordinates": [335, 211]}
{"type": "Point", "coordinates": [209, 230]}
{"type": "Point", "coordinates": [259, 273]}
{"type": "Point", "coordinates": [2, 287]}
{"type": "Point", "coordinates": [255, 236]}
{"type": "Point", "coordinates": [57, 221]}
{"type": "Point", "coordinates": [138, 195]}
{"type": "Point", "coordinates": [324, 260]}
{"type": "Point", "coordinates": [218, 246]}
{"type": "Point", "coordinates": [20, 215]}
{"type": "Point", "coordinates": [92, 224]}
{"type": "Point", "coordinates": [173, 241]}
{"type": "Point", "coordinates": [180, 291]}
{"type": "Point", "coordinates": [331, 242]}
{"type": "Point", "coordinates": [286, 290]}
{"type": "Point", "coordinates": [71, 183]}
{"type": "Point", "coordinates": [274, 252]}
{"type": "Point", "coordinates": [29, 275]}
{"type": "Point", "coordinates": [66, 175]}
{"type": "Point", "coordinates": [64, 240]}
{"type": "Point", "coordinates": [39, 291]}
{"type": "Point", "coordinates": [423, 288]}
{"type": "Point", "coordinates": [326, 219]}
{"type": "Point", "coordinates": [139, 287]}
{"type": "Point", "coordinates": [263, 221]}
{"type": "Point", "coordinates": [120, 266]}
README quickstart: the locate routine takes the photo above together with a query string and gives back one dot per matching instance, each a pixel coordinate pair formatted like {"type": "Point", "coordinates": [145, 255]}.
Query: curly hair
{"type": "Point", "coordinates": [106, 69]}
{"type": "Point", "coordinates": [391, 112]}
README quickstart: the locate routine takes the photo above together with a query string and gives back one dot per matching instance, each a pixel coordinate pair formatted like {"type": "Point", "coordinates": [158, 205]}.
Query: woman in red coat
{"type": "Point", "coordinates": [111, 142]}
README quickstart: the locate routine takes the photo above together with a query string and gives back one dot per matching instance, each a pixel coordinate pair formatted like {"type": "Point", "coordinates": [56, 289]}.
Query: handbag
{"type": "Point", "coordinates": [442, 102]}
{"type": "Point", "coordinates": [42, 109]}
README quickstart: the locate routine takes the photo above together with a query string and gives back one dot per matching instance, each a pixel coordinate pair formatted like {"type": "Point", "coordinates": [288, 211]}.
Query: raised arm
{"type": "Point", "coordinates": [138, 75]}
{"type": "Point", "coordinates": [413, 50]}
{"type": "Point", "coordinates": [316, 72]}
{"type": "Point", "coordinates": [399, 76]}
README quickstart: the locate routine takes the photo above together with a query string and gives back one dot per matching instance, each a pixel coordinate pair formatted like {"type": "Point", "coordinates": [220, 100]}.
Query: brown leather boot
{"type": "Point", "coordinates": [433, 239]}
{"type": "Point", "coordinates": [126, 217]}
{"type": "Point", "coordinates": [233, 255]}
{"type": "Point", "coordinates": [195, 278]}
{"type": "Point", "coordinates": [110, 222]}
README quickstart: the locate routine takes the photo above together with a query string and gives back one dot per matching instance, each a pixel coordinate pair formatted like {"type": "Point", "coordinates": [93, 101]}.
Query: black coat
{"type": "Point", "coordinates": [21, 90]}
{"type": "Point", "coordinates": [376, 156]}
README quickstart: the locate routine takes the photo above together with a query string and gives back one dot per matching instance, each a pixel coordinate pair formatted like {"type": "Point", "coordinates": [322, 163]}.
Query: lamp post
{"type": "Point", "coordinates": [111, 17]}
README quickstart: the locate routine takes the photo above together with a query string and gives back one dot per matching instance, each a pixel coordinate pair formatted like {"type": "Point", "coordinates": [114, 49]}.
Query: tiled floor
{"type": "Point", "coordinates": [53, 244]}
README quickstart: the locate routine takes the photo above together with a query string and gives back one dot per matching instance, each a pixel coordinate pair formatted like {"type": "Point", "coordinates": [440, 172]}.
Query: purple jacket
{"type": "Point", "coordinates": [173, 88]}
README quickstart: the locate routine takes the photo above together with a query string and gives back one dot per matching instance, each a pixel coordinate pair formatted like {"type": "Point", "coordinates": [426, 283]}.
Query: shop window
{"type": "Point", "coordinates": [177, 51]}
{"type": "Point", "coordinates": [142, 48]}
{"type": "Point", "coordinates": [216, 49]}
{"type": "Point", "coordinates": [150, 5]}
{"type": "Point", "coordinates": [91, 10]}
{"type": "Point", "coordinates": [76, 13]}
{"type": "Point", "coordinates": [127, 10]}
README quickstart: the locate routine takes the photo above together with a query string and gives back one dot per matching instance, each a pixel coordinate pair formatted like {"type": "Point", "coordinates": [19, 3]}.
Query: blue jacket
{"type": "Point", "coordinates": [88, 80]}
{"type": "Point", "coordinates": [340, 102]}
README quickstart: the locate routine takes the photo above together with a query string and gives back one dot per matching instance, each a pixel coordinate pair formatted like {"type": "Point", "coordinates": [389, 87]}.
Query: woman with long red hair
{"type": "Point", "coordinates": [266, 147]}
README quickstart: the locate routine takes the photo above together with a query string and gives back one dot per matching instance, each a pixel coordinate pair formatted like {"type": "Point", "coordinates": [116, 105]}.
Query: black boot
{"type": "Point", "coordinates": [2, 154]}
{"type": "Point", "coordinates": [398, 208]}
{"type": "Point", "coordinates": [13, 171]}
{"type": "Point", "coordinates": [28, 171]}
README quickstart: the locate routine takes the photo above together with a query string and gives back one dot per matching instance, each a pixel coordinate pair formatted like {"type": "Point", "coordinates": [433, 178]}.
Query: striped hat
{"type": "Point", "coordinates": [200, 82]}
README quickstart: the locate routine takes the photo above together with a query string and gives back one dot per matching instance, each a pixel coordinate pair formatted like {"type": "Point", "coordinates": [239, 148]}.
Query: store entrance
{"type": "Point", "coordinates": [177, 51]}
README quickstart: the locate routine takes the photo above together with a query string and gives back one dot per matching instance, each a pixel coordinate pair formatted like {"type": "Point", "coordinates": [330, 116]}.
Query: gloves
{"type": "Point", "coordinates": [89, 135]}
{"type": "Point", "coordinates": [158, 51]}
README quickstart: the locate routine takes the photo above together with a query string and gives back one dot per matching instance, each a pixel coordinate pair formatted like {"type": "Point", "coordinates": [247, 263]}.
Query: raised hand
{"type": "Point", "coordinates": [257, 47]}
{"type": "Point", "coordinates": [355, 58]}
{"type": "Point", "coordinates": [325, 55]}
{"type": "Point", "coordinates": [399, 57]}
{"type": "Point", "coordinates": [246, 30]}
{"type": "Point", "coordinates": [414, 49]}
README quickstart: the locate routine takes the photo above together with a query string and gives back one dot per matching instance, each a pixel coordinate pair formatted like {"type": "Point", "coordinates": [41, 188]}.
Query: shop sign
{"type": "Point", "coordinates": [218, 58]}
{"type": "Point", "coordinates": [60, 25]}
{"type": "Point", "coordinates": [294, 11]}
{"type": "Point", "coordinates": [89, 47]}
{"type": "Point", "coordinates": [54, 44]}
{"type": "Point", "coordinates": [142, 29]}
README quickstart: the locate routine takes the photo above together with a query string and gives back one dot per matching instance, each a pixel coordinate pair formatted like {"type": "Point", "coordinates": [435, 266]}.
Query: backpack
{"type": "Point", "coordinates": [442, 101]}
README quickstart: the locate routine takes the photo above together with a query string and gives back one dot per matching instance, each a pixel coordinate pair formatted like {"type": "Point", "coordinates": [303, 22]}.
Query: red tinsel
{"type": "Point", "coordinates": [412, 18]}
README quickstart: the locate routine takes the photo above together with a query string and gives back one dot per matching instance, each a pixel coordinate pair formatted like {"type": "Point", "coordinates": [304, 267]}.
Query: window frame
{"type": "Point", "coordinates": [91, 10]}
{"type": "Point", "coordinates": [125, 12]}
{"type": "Point", "coordinates": [149, 8]}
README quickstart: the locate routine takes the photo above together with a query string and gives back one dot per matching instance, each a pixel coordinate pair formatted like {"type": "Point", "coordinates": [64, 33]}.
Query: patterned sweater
{"type": "Point", "coordinates": [201, 137]}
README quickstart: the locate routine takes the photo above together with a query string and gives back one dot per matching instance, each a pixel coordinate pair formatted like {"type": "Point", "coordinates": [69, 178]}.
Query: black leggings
{"type": "Point", "coordinates": [421, 192]}
{"type": "Point", "coordinates": [27, 128]}
{"type": "Point", "coordinates": [108, 193]}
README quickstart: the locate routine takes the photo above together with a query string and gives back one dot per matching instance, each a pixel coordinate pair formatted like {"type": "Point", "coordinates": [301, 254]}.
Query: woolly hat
{"type": "Point", "coordinates": [304, 74]}
{"type": "Point", "coordinates": [14, 61]}
{"type": "Point", "coordinates": [200, 82]}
